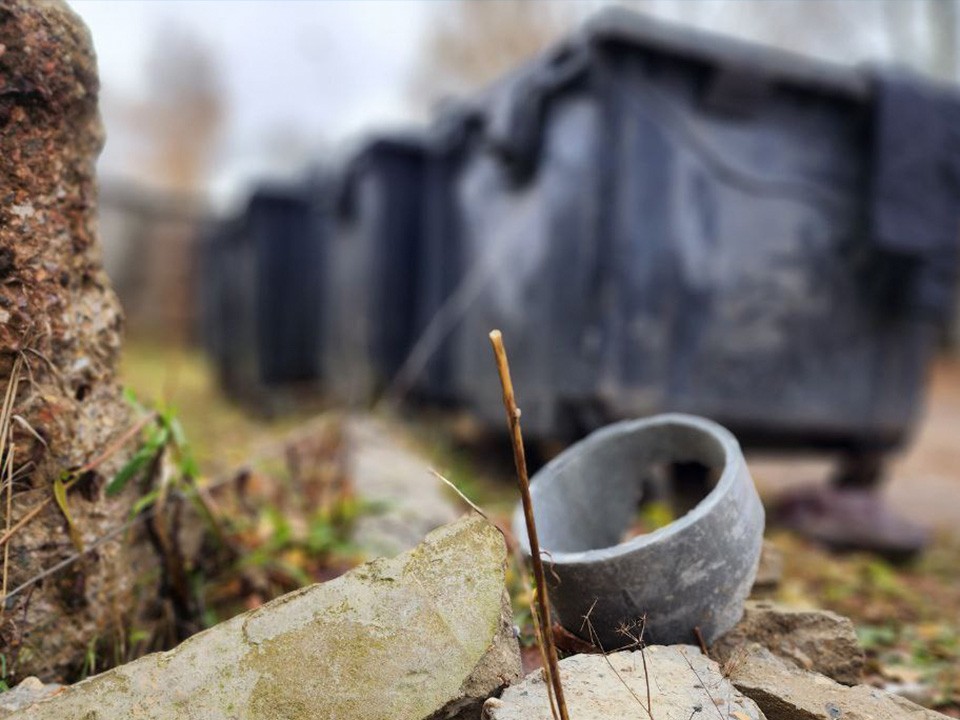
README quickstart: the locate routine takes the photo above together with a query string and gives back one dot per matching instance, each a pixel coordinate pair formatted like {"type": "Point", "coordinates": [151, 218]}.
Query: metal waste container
{"type": "Point", "coordinates": [264, 271]}
{"type": "Point", "coordinates": [673, 222]}
{"type": "Point", "coordinates": [373, 263]}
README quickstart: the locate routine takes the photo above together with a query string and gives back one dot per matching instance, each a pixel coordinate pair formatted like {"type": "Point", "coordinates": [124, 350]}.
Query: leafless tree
{"type": "Point", "coordinates": [180, 120]}
{"type": "Point", "coordinates": [472, 42]}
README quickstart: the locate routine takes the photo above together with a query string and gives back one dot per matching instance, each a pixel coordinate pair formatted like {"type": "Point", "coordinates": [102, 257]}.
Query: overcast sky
{"type": "Point", "coordinates": [322, 70]}
{"type": "Point", "coordinates": [318, 73]}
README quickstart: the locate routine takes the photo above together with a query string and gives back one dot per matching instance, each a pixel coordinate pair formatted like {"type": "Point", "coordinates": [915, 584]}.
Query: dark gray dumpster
{"type": "Point", "coordinates": [264, 270]}
{"type": "Point", "coordinates": [374, 266]}
{"type": "Point", "coordinates": [395, 261]}
{"type": "Point", "coordinates": [427, 368]}
{"type": "Point", "coordinates": [675, 222]}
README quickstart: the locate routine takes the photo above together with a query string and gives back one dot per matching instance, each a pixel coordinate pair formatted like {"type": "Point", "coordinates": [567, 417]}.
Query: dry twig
{"type": "Point", "coordinates": [638, 642]}
{"type": "Point", "coordinates": [700, 640]}
{"type": "Point", "coordinates": [596, 641]}
{"type": "Point", "coordinates": [543, 601]}
{"type": "Point", "coordinates": [7, 453]}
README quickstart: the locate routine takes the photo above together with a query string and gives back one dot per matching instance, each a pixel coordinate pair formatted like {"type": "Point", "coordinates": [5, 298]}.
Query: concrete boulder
{"type": "Point", "coordinates": [785, 692]}
{"type": "Point", "coordinates": [683, 684]}
{"type": "Point", "coordinates": [428, 634]}
{"type": "Point", "coordinates": [30, 691]}
{"type": "Point", "coordinates": [60, 318]}
{"type": "Point", "coordinates": [389, 474]}
{"type": "Point", "coordinates": [817, 640]}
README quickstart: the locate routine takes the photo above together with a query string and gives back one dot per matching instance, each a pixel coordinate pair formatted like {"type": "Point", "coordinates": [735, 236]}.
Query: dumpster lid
{"type": "Point", "coordinates": [278, 193]}
{"type": "Point", "coordinates": [515, 105]}
{"type": "Point", "coordinates": [398, 141]}
{"type": "Point", "coordinates": [616, 25]}
{"type": "Point", "coordinates": [410, 143]}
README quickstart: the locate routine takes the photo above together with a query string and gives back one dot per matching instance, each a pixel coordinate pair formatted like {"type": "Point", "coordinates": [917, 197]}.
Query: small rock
{"type": "Point", "coordinates": [683, 684]}
{"type": "Point", "coordinates": [31, 690]}
{"type": "Point", "coordinates": [785, 692]}
{"type": "Point", "coordinates": [428, 634]}
{"type": "Point", "coordinates": [816, 640]}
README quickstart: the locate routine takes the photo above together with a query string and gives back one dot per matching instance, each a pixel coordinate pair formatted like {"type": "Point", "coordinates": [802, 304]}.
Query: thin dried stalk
{"type": "Point", "coordinates": [112, 449]}
{"type": "Point", "coordinates": [594, 638]}
{"type": "Point", "coordinates": [25, 520]}
{"type": "Point", "coordinates": [703, 645]}
{"type": "Point", "coordinates": [519, 458]}
{"type": "Point", "coordinates": [8, 473]}
{"type": "Point", "coordinates": [541, 644]}
{"type": "Point", "coordinates": [7, 453]}
{"type": "Point", "coordinates": [6, 414]}
{"type": "Point", "coordinates": [463, 497]}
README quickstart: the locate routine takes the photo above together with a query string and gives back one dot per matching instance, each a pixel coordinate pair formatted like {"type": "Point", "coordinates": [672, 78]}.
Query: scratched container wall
{"type": "Point", "coordinates": [673, 222]}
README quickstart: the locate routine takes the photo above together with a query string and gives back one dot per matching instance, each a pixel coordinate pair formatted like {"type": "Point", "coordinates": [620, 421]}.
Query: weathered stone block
{"type": "Point", "coordinates": [683, 684]}
{"type": "Point", "coordinates": [385, 472]}
{"type": "Point", "coordinates": [785, 692]}
{"type": "Point", "coordinates": [817, 640]}
{"type": "Point", "coordinates": [427, 634]}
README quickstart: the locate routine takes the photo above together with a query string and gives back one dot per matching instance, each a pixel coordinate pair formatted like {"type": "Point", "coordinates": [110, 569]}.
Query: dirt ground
{"type": "Point", "coordinates": [923, 482]}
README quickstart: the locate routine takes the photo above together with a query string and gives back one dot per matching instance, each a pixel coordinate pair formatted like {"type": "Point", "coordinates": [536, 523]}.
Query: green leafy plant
{"type": "Point", "coordinates": [4, 685]}
{"type": "Point", "coordinates": [164, 434]}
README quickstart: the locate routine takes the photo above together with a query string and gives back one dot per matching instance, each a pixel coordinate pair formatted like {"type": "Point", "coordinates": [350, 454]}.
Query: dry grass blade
{"type": "Point", "coordinates": [702, 684]}
{"type": "Point", "coordinates": [8, 475]}
{"type": "Point", "coordinates": [519, 458]}
{"type": "Point", "coordinates": [463, 497]}
{"type": "Point", "coordinates": [19, 420]}
{"type": "Point", "coordinates": [7, 453]}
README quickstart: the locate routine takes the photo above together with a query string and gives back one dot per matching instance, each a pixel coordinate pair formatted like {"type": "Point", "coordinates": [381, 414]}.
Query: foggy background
{"type": "Point", "coordinates": [202, 99]}
{"type": "Point", "coordinates": [204, 96]}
